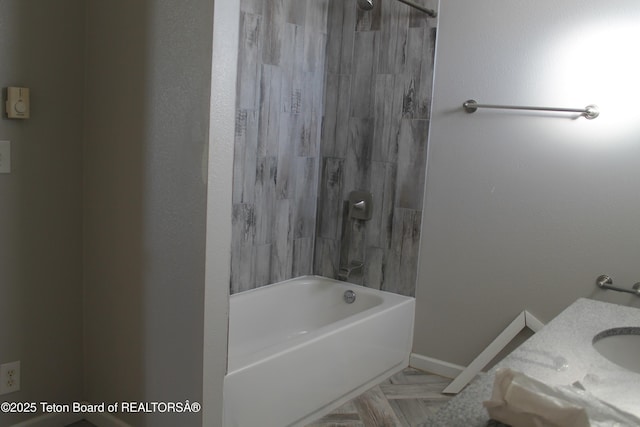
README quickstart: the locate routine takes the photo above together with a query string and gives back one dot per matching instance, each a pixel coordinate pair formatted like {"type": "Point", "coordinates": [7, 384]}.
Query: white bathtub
{"type": "Point", "coordinates": [297, 350]}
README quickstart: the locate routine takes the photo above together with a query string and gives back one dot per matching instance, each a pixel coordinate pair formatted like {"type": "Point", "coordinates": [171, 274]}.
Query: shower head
{"type": "Point", "coordinates": [365, 4]}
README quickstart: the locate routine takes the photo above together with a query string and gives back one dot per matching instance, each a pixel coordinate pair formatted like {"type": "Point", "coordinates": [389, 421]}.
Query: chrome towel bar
{"type": "Point", "coordinates": [590, 111]}
{"type": "Point", "coordinates": [606, 282]}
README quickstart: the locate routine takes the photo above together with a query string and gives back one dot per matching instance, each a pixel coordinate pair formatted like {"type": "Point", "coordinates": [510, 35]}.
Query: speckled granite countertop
{"type": "Point", "coordinates": [559, 354]}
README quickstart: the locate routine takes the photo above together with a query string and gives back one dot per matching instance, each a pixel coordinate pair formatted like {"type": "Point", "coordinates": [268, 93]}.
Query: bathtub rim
{"type": "Point", "coordinates": [390, 301]}
{"type": "Point", "coordinates": [321, 278]}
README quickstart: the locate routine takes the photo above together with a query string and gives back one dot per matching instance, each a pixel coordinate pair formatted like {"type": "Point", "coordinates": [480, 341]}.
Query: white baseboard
{"type": "Point", "coordinates": [50, 420]}
{"type": "Point", "coordinates": [435, 366]}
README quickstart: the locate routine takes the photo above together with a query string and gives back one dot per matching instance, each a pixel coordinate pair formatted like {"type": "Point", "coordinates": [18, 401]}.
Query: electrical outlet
{"type": "Point", "coordinates": [9, 377]}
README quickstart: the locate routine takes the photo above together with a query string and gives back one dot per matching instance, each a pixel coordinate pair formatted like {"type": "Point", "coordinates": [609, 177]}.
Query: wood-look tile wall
{"type": "Point", "coordinates": [330, 99]}
{"type": "Point", "coordinates": [278, 130]}
{"type": "Point", "coordinates": [377, 107]}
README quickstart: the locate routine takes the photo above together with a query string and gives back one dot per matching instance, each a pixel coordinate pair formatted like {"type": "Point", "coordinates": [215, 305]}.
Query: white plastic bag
{"type": "Point", "coordinates": [521, 401]}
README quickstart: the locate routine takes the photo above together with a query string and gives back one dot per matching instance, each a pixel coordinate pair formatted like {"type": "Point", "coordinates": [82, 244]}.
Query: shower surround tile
{"type": "Point", "coordinates": [251, 28]}
{"type": "Point", "coordinates": [381, 146]}
{"type": "Point", "coordinates": [281, 63]}
{"type": "Point", "coordinates": [336, 115]}
{"type": "Point", "coordinates": [387, 102]}
{"type": "Point", "coordinates": [245, 158]}
{"type": "Point", "coordinates": [365, 55]}
{"type": "Point", "coordinates": [340, 36]}
{"type": "Point", "coordinates": [393, 32]}
{"type": "Point", "coordinates": [331, 198]}
{"type": "Point", "coordinates": [331, 99]}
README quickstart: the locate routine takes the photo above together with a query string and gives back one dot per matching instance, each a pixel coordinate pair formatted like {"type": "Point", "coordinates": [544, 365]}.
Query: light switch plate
{"type": "Point", "coordinates": [18, 105]}
{"type": "Point", "coordinates": [5, 157]}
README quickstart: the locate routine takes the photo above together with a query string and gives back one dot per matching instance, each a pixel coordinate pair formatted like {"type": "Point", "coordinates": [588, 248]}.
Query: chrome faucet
{"type": "Point", "coordinates": [345, 272]}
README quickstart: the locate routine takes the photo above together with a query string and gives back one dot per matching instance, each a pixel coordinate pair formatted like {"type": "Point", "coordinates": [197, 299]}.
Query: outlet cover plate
{"type": "Point", "coordinates": [9, 377]}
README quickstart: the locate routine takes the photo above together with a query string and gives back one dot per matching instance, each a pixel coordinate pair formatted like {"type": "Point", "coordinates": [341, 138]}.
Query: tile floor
{"type": "Point", "coordinates": [406, 399]}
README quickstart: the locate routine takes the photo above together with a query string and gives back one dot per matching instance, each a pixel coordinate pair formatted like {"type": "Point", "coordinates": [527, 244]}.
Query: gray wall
{"type": "Point", "coordinates": [278, 127]}
{"type": "Point", "coordinates": [147, 103]}
{"type": "Point", "coordinates": [377, 110]}
{"type": "Point", "coordinates": [42, 47]}
{"type": "Point", "coordinates": [525, 210]}
{"type": "Point", "coordinates": [108, 188]}
{"type": "Point", "coordinates": [376, 81]}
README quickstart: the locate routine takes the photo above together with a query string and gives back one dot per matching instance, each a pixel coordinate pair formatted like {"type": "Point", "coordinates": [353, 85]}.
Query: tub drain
{"type": "Point", "coordinates": [349, 297]}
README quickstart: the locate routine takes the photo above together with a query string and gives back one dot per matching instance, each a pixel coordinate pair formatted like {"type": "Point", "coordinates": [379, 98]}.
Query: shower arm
{"type": "Point", "coordinates": [432, 13]}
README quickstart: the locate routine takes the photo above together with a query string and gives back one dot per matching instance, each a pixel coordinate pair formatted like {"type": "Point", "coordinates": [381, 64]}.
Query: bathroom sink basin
{"type": "Point", "coordinates": [621, 346]}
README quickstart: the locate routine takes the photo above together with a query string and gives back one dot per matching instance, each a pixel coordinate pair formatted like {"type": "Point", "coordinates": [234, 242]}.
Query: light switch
{"type": "Point", "coordinates": [18, 103]}
{"type": "Point", "coordinates": [5, 157]}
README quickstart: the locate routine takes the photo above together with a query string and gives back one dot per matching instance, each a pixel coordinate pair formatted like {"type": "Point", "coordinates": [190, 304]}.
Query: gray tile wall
{"type": "Point", "coordinates": [330, 99]}
{"type": "Point", "coordinates": [377, 108]}
{"type": "Point", "coordinates": [278, 131]}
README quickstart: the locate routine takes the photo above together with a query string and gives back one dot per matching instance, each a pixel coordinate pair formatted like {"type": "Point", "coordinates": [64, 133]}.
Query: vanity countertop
{"type": "Point", "coordinates": [561, 353]}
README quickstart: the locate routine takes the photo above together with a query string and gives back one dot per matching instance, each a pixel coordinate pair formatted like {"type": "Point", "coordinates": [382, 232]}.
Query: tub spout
{"type": "Point", "coordinates": [345, 272]}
